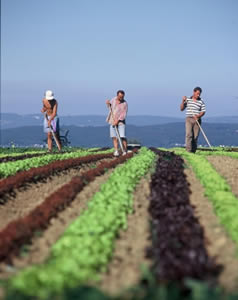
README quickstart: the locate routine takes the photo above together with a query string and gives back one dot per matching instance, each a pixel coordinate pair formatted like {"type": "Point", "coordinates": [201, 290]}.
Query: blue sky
{"type": "Point", "coordinates": [85, 50]}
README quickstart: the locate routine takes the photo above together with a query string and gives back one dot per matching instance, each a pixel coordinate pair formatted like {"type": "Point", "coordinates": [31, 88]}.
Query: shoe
{"type": "Point", "coordinates": [116, 153]}
{"type": "Point", "coordinates": [124, 153]}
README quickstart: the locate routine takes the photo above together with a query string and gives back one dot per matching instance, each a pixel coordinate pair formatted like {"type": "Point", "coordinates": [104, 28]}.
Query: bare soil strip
{"type": "Point", "coordinates": [124, 269]}
{"type": "Point", "coordinates": [218, 245]}
{"type": "Point", "coordinates": [228, 168]}
{"type": "Point", "coordinates": [25, 199]}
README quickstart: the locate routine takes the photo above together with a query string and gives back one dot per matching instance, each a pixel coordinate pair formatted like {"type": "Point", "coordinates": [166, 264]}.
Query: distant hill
{"type": "Point", "coordinates": [164, 135]}
{"type": "Point", "coordinates": [9, 120]}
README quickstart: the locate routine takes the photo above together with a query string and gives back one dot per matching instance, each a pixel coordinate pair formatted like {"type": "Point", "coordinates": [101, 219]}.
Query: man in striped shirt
{"type": "Point", "coordinates": [195, 110]}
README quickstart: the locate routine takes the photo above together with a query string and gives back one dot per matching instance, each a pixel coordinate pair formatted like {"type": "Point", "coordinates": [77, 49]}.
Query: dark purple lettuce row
{"type": "Point", "coordinates": [178, 243]}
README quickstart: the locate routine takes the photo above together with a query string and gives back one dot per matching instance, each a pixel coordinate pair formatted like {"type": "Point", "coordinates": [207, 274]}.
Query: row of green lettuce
{"type": "Point", "coordinates": [14, 152]}
{"type": "Point", "coordinates": [216, 151]}
{"type": "Point", "coordinates": [3, 155]}
{"type": "Point", "coordinates": [147, 288]}
{"type": "Point", "coordinates": [20, 151]}
{"type": "Point", "coordinates": [86, 246]}
{"type": "Point", "coordinates": [217, 190]}
{"type": "Point", "coordinates": [12, 167]}
{"type": "Point", "coordinates": [223, 153]}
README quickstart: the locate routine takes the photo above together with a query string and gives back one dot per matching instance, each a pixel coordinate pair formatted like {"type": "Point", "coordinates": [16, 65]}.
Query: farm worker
{"type": "Point", "coordinates": [50, 106]}
{"type": "Point", "coordinates": [195, 110]}
{"type": "Point", "coordinates": [119, 110]}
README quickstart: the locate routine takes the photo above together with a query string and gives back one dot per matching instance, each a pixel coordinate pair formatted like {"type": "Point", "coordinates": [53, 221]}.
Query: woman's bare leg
{"type": "Point", "coordinates": [49, 141]}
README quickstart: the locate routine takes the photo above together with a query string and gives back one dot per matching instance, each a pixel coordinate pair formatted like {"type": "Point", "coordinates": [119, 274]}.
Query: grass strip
{"type": "Point", "coordinates": [87, 245]}
{"type": "Point", "coordinates": [27, 150]}
{"type": "Point", "coordinates": [208, 152]}
{"type": "Point", "coordinates": [30, 154]}
{"type": "Point", "coordinates": [11, 168]}
{"type": "Point", "coordinates": [35, 174]}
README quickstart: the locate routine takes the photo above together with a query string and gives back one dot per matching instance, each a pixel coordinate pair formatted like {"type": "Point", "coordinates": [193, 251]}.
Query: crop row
{"type": "Point", "coordinates": [218, 191]}
{"type": "Point", "coordinates": [231, 154]}
{"type": "Point", "coordinates": [214, 149]}
{"type": "Point", "coordinates": [27, 150]}
{"type": "Point", "coordinates": [4, 159]}
{"type": "Point", "coordinates": [11, 168]}
{"type": "Point", "coordinates": [35, 174]}
{"type": "Point", "coordinates": [178, 243]}
{"type": "Point", "coordinates": [207, 152]}
{"type": "Point", "coordinates": [99, 149]}
{"type": "Point", "coordinates": [30, 154]}
{"type": "Point", "coordinates": [19, 151]}
{"type": "Point", "coordinates": [20, 231]}
{"type": "Point", "coordinates": [87, 245]}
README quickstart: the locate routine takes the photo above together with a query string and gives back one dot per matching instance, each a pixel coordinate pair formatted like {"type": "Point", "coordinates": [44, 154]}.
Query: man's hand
{"type": "Point", "coordinates": [108, 103]}
{"type": "Point", "coordinates": [196, 117]}
{"type": "Point", "coordinates": [115, 123]}
{"type": "Point", "coordinates": [183, 104]}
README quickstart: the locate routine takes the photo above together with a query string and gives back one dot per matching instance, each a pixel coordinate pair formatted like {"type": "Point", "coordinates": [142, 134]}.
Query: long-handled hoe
{"type": "Point", "coordinates": [205, 137]}
{"type": "Point", "coordinates": [117, 132]}
{"type": "Point", "coordinates": [54, 135]}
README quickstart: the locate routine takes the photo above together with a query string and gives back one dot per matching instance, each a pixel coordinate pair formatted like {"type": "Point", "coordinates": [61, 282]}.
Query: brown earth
{"type": "Point", "coordinates": [228, 168]}
{"type": "Point", "coordinates": [39, 250]}
{"type": "Point", "coordinates": [219, 244]}
{"type": "Point", "coordinates": [23, 200]}
{"type": "Point", "coordinates": [124, 270]}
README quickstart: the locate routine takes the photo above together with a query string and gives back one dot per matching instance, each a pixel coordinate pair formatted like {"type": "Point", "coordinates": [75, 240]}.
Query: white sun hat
{"type": "Point", "coordinates": [49, 95]}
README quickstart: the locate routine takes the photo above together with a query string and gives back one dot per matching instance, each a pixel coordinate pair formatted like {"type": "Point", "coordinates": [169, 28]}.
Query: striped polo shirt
{"type": "Point", "coordinates": [194, 107]}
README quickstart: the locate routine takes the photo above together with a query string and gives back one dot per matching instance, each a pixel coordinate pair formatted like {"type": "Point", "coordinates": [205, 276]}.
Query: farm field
{"type": "Point", "coordinates": [153, 224]}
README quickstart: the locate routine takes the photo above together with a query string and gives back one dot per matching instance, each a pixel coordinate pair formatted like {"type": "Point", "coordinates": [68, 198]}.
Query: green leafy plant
{"type": "Point", "coordinates": [86, 246]}
{"type": "Point", "coordinates": [217, 190]}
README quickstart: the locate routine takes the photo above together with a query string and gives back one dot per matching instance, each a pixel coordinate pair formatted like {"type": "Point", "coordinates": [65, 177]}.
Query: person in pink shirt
{"type": "Point", "coordinates": [119, 109]}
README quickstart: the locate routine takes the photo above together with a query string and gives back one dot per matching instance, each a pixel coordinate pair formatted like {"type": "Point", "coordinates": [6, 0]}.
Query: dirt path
{"type": "Point", "coordinates": [219, 244]}
{"type": "Point", "coordinates": [228, 168]}
{"type": "Point", "coordinates": [124, 269]}
{"type": "Point", "coordinates": [24, 199]}
{"type": "Point", "coordinates": [39, 250]}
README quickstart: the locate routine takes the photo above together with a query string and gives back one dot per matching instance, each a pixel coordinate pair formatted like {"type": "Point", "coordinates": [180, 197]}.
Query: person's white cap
{"type": "Point", "coordinates": [49, 95]}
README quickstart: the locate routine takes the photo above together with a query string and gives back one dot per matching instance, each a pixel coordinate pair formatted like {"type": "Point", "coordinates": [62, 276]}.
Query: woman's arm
{"type": "Point", "coordinates": [44, 107]}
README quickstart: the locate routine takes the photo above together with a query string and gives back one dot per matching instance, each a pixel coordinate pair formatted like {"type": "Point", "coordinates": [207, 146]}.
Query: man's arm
{"type": "Point", "coordinates": [115, 122]}
{"type": "Point", "coordinates": [183, 104]}
{"type": "Point", "coordinates": [202, 113]}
